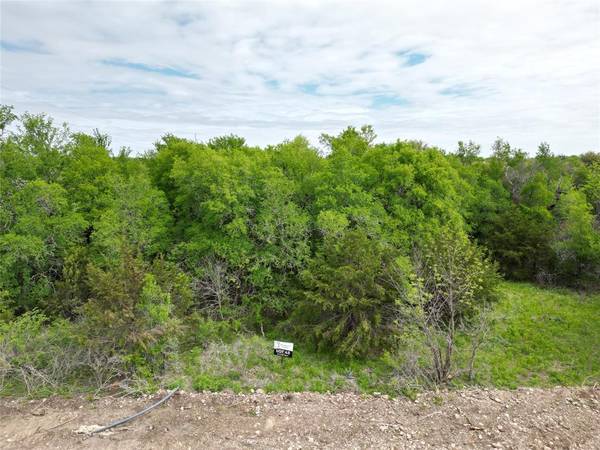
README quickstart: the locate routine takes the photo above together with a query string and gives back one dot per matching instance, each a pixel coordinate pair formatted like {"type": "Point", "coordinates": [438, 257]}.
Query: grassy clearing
{"type": "Point", "coordinates": [248, 363]}
{"type": "Point", "coordinates": [542, 337]}
{"type": "Point", "coordinates": [539, 337]}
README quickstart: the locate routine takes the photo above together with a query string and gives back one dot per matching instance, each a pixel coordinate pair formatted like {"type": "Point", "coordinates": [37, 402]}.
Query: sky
{"type": "Point", "coordinates": [527, 71]}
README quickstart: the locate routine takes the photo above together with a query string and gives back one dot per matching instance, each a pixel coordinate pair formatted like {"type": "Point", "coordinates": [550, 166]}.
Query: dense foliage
{"type": "Point", "coordinates": [329, 246]}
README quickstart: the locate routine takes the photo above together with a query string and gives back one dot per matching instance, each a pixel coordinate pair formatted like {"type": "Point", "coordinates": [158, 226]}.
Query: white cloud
{"type": "Point", "coordinates": [525, 70]}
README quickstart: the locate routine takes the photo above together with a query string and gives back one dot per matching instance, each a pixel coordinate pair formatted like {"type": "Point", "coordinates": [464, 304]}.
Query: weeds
{"type": "Point", "coordinates": [535, 338]}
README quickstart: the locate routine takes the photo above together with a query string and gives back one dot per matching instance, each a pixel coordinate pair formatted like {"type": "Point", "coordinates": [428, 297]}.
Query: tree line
{"type": "Point", "coordinates": [348, 246]}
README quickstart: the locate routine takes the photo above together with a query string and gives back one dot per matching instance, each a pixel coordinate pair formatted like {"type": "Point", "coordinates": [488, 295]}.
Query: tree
{"type": "Point", "coordinates": [130, 314]}
{"type": "Point", "coordinates": [351, 140]}
{"type": "Point", "coordinates": [227, 143]}
{"type": "Point", "coordinates": [543, 151]}
{"type": "Point", "coordinates": [40, 230]}
{"type": "Point", "coordinates": [6, 117]}
{"type": "Point", "coordinates": [468, 152]}
{"type": "Point", "coordinates": [577, 242]}
{"type": "Point", "coordinates": [520, 239]}
{"type": "Point", "coordinates": [138, 215]}
{"type": "Point", "coordinates": [502, 150]}
{"type": "Point", "coordinates": [161, 160]}
{"type": "Point", "coordinates": [346, 299]}
{"type": "Point", "coordinates": [88, 175]}
{"type": "Point", "coordinates": [591, 188]}
{"type": "Point", "coordinates": [454, 283]}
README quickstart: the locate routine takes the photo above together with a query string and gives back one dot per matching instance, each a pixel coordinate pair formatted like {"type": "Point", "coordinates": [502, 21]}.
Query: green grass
{"type": "Point", "coordinates": [542, 337]}
{"type": "Point", "coordinates": [248, 363]}
{"type": "Point", "coordinates": [539, 337]}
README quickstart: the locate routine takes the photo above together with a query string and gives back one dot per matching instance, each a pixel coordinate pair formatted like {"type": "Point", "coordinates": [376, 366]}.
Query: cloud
{"type": "Point", "coordinates": [124, 89]}
{"type": "Point", "coordinates": [524, 70]}
{"type": "Point", "coordinates": [459, 90]}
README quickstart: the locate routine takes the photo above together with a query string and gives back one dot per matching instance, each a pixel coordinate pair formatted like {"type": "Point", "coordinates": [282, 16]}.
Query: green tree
{"type": "Point", "coordinates": [40, 228]}
{"type": "Point", "coordinates": [455, 281]}
{"type": "Point", "coordinates": [468, 152]}
{"type": "Point", "coordinates": [6, 117]}
{"type": "Point", "coordinates": [591, 188]}
{"type": "Point", "coordinates": [88, 175]}
{"type": "Point", "coordinates": [130, 315]}
{"type": "Point", "coordinates": [347, 300]}
{"type": "Point", "coordinates": [137, 216]}
{"type": "Point", "coordinates": [577, 242]}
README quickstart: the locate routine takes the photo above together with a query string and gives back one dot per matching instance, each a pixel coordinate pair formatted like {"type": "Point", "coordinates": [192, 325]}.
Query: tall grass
{"type": "Point", "coordinates": [542, 337]}
{"type": "Point", "coordinates": [537, 337]}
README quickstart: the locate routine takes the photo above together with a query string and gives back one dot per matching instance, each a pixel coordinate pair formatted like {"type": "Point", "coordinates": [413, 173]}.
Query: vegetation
{"type": "Point", "coordinates": [542, 338]}
{"type": "Point", "coordinates": [382, 261]}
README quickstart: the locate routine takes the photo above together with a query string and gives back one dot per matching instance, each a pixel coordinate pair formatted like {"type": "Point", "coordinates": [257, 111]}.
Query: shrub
{"type": "Point", "coordinates": [131, 315]}
{"type": "Point", "coordinates": [348, 302]}
{"type": "Point", "coordinates": [454, 283]}
{"type": "Point", "coordinates": [37, 355]}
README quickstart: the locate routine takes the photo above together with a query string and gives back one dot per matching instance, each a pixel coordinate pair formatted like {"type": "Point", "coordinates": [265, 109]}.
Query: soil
{"type": "Point", "coordinates": [473, 418]}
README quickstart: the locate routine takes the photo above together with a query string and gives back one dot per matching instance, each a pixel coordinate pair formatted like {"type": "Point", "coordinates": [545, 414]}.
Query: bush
{"type": "Point", "coordinates": [455, 282]}
{"type": "Point", "coordinates": [42, 357]}
{"type": "Point", "coordinates": [348, 301]}
{"type": "Point", "coordinates": [129, 314]}
{"type": "Point", "coordinates": [35, 355]}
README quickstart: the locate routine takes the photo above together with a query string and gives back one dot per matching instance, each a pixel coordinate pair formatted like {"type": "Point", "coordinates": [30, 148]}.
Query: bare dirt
{"type": "Point", "coordinates": [474, 418]}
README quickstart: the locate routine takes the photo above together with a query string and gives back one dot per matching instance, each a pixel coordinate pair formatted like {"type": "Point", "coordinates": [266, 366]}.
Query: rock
{"type": "Point", "coordinates": [269, 423]}
{"type": "Point", "coordinates": [87, 429]}
{"type": "Point", "coordinates": [260, 391]}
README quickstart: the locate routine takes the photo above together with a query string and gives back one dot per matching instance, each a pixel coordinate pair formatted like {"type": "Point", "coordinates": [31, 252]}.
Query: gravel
{"type": "Point", "coordinates": [471, 418]}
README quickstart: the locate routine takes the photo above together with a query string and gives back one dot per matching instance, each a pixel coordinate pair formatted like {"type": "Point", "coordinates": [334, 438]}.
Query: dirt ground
{"type": "Point", "coordinates": [473, 418]}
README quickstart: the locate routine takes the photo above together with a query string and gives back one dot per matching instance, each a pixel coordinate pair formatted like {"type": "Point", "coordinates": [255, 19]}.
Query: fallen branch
{"type": "Point", "coordinates": [60, 424]}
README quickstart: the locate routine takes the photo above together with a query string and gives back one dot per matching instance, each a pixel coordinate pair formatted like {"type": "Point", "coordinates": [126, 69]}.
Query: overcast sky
{"type": "Point", "coordinates": [527, 71]}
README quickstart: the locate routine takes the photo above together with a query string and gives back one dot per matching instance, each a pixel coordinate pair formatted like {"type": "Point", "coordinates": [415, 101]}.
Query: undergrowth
{"type": "Point", "coordinates": [537, 337]}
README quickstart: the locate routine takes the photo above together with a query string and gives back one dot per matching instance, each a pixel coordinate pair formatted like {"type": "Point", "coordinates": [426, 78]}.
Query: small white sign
{"type": "Point", "coordinates": [283, 348]}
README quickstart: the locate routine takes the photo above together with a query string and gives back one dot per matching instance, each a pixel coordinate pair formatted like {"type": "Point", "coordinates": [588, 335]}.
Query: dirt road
{"type": "Point", "coordinates": [475, 418]}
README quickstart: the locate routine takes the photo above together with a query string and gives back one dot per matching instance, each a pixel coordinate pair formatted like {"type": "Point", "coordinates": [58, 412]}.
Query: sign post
{"type": "Point", "coordinates": [283, 349]}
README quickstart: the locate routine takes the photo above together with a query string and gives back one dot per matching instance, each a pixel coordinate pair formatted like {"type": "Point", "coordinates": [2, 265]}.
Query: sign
{"type": "Point", "coordinates": [283, 348]}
